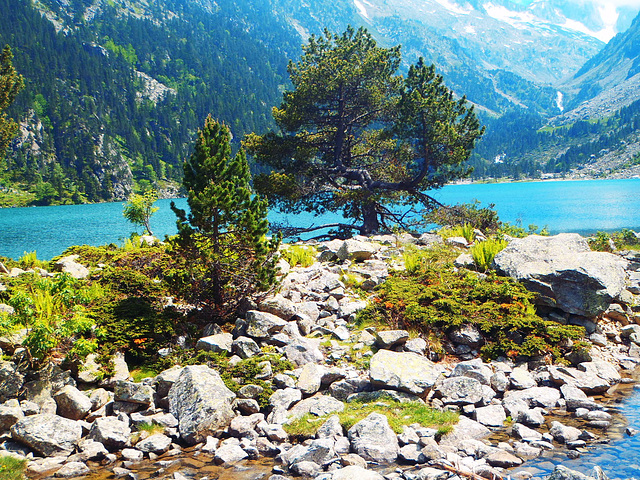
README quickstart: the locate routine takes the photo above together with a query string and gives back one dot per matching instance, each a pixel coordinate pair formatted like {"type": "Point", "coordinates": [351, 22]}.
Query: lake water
{"type": "Point", "coordinates": [572, 206]}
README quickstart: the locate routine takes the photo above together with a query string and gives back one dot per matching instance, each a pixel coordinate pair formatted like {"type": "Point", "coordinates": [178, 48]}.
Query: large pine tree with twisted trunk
{"type": "Point", "coordinates": [357, 138]}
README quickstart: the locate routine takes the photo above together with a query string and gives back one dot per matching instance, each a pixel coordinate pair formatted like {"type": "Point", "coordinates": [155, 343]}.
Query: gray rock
{"type": "Point", "coordinates": [587, 381]}
{"type": "Point", "coordinates": [412, 453]}
{"type": "Point", "coordinates": [525, 433]}
{"type": "Point", "coordinates": [532, 417]}
{"type": "Point", "coordinates": [463, 430]}
{"type": "Point", "coordinates": [131, 392]}
{"type": "Point", "coordinates": [69, 265]}
{"type": "Point", "coordinates": [303, 350]}
{"type": "Point", "coordinates": [201, 403]}
{"type": "Point", "coordinates": [561, 472]}
{"type": "Point", "coordinates": [565, 272]}
{"type": "Point", "coordinates": [247, 406]}
{"type": "Point", "coordinates": [72, 403]}
{"type": "Point", "coordinates": [491, 415]}
{"type": "Point", "coordinates": [373, 439]}
{"type": "Point", "coordinates": [320, 451]}
{"type": "Point", "coordinates": [11, 381]}
{"type": "Point", "coordinates": [48, 435]}
{"type": "Point", "coordinates": [132, 455]}
{"type": "Point", "coordinates": [576, 398]}
{"type": "Point", "coordinates": [262, 324]}
{"type": "Point", "coordinates": [355, 250]}
{"type": "Point", "coordinates": [466, 335]}
{"type": "Point", "coordinates": [382, 396]}
{"type": "Point", "coordinates": [503, 459]}
{"type": "Point", "coordinates": [310, 378]}
{"type": "Point", "coordinates": [229, 454]}
{"type": "Point", "coordinates": [499, 382]}
{"type": "Point", "coordinates": [416, 345]}
{"type": "Point", "coordinates": [245, 347]}
{"type": "Point", "coordinates": [564, 433]}
{"type": "Point", "coordinates": [245, 426]}
{"type": "Point", "coordinates": [111, 432]}
{"type": "Point", "coordinates": [331, 428]}
{"type": "Point", "coordinates": [355, 472]}
{"type": "Point", "coordinates": [221, 342]}
{"type": "Point", "coordinates": [285, 398]}
{"type": "Point", "coordinates": [280, 306]}
{"type": "Point", "coordinates": [10, 414]}
{"type": "Point", "coordinates": [521, 379]}
{"type": "Point", "coordinates": [391, 338]}
{"type": "Point", "coordinates": [318, 405]}
{"type": "Point", "coordinates": [72, 469]}
{"type": "Point", "coordinates": [473, 369]}
{"type": "Point", "coordinates": [459, 391]}
{"type": "Point", "coordinates": [157, 443]}
{"type": "Point", "coordinates": [407, 372]}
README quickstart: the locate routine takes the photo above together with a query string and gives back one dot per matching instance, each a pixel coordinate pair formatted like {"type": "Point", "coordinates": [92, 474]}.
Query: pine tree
{"type": "Point", "coordinates": [10, 84]}
{"type": "Point", "coordinates": [223, 238]}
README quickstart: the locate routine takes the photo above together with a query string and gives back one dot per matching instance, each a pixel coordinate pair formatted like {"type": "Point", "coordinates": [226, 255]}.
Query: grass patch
{"type": "Point", "coordinates": [12, 469]}
{"type": "Point", "coordinates": [139, 374]}
{"type": "Point", "coordinates": [466, 230]}
{"type": "Point", "coordinates": [150, 428]}
{"type": "Point", "coordinates": [302, 255]}
{"type": "Point", "coordinates": [483, 253]}
{"type": "Point", "coordinates": [398, 414]}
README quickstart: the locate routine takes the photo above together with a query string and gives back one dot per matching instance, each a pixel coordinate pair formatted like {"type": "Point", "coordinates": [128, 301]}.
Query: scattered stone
{"type": "Point", "coordinates": [459, 391]}
{"type": "Point", "coordinates": [72, 469]}
{"type": "Point", "coordinates": [491, 415]}
{"type": "Point", "coordinates": [221, 342]}
{"type": "Point", "coordinates": [201, 403]}
{"type": "Point", "coordinates": [407, 372]}
{"type": "Point", "coordinates": [373, 439]}
{"type": "Point", "coordinates": [391, 338]}
{"type": "Point", "coordinates": [111, 432]}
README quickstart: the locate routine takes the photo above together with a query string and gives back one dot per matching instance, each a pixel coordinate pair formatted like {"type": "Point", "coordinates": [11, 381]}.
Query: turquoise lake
{"type": "Point", "coordinates": [563, 206]}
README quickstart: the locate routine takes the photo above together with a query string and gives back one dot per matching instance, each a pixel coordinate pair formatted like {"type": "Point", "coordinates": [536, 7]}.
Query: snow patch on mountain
{"type": "Point", "coordinates": [520, 20]}
{"type": "Point", "coordinates": [361, 9]}
{"type": "Point", "coordinates": [452, 7]}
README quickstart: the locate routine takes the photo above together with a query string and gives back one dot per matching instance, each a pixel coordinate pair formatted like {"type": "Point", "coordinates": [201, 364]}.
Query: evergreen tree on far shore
{"type": "Point", "coordinates": [10, 84]}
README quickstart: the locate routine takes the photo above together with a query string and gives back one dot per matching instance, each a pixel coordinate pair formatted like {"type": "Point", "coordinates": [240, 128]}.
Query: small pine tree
{"type": "Point", "coordinates": [139, 208]}
{"type": "Point", "coordinates": [222, 240]}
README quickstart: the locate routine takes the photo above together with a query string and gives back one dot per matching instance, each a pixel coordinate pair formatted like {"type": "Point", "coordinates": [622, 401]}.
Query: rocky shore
{"type": "Point", "coordinates": [69, 424]}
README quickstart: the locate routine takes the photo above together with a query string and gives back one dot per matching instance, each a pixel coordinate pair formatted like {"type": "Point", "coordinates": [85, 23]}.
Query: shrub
{"type": "Point", "coordinates": [30, 260]}
{"type": "Point", "coordinates": [302, 255]}
{"type": "Point", "coordinates": [485, 219]}
{"type": "Point", "coordinates": [467, 231]}
{"type": "Point", "coordinates": [435, 299]}
{"type": "Point", "coordinates": [601, 242]}
{"type": "Point", "coordinates": [483, 253]}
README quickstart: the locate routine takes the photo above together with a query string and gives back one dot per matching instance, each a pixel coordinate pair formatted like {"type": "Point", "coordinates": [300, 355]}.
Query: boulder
{"type": "Point", "coordinates": [245, 347]}
{"type": "Point", "coordinates": [72, 470]}
{"type": "Point", "coordinates": [131, 392]}
{"type": "Point", "coordinates": [69, 265]}
{"type": "Point", "coordinates": [228, 454]}
{"type": "Point", "coordinates": [262, 324]}
{"type": "Point", "coordinates": [355, 250]}
{"type": "Point", "coordinates": [465, 429]}
{"type": "Point", "coordinates": [503, 459]}
{"type": "Point", "coordinates": [564, 433]}
{"type": "Point", "coordinates": [280, 306]}
{"type": "Point", "coordinates": [301, 351]}
{"type": "Point", "coordinates": [521, 379]}
{"type": "Point", "coordinates": [355, 472]}
{"type": "Point", "coordinates": [111, 432]}
{"type": "Point", "coordinates": [72, 403]}
{"type": "Point", "coordinates": [391, 338]}
{"type": "Point", "coordinates": [466, 335]}
{"type": "Point", "coordinates": [10, 413]}
{"type": "Point", "coordinates": [157, 443]}
{"type": "Point", "coordinates": [47, 434]}
{"type": "Point", "coordinates": [11, 381]}
{"type": "Point", "coordinates": [318, 405]}
{"type": "Point", "coordinates": [459, 391]}
{"type": "Point", "coordinates": [405, 371]}
{"type": "Point", "coordinates": [284, 398]}
{"type": "Point", "coordinates": [373, 439]}
{"type": "Point", "coordinates": [491, 415]}
{"type": "Point", "coordinates": [586, 379]}
{"type": "Point", "coordinates": [218, 343]}
{"type": "Point", "coordinates": [565, 272]}
{"type": "Point", "coordinates": [201, 403]}
{"type": "Point", "coordinates": [474, 369]}
{"type": "Point", "coordinates": [576, 398]}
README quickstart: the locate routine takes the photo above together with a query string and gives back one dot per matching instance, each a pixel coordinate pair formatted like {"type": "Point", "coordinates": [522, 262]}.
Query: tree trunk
{"type": "Point", "coordinates": [370, 222]}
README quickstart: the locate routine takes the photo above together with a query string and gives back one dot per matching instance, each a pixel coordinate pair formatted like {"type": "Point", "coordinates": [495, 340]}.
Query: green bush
{"type": "Point", "coordinates": [484, 219]}
{"type": "Point", "coordinates": [467, 231]}
{"type": "Point", "coordinates": [483, 253]}
{"type": "Point", "coordinates": [435, 299]}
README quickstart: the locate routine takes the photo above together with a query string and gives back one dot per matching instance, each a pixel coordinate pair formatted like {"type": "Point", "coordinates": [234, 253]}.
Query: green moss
{"type": "Point", "coordinates": [302, 255]}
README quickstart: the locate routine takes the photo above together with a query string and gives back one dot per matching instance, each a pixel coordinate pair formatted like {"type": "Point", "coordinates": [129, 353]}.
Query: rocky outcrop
{"type": "Point", "coordinates": [565, 272]}
{"type": "Point", "coordinates": [201, 402]}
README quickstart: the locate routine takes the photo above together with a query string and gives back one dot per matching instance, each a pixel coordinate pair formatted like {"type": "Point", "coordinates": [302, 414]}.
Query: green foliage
{"type": "Point", "coordinates": [484, 219]}
{"type": "Point", "coordinates": [30, 260]}
{"type": "Point", "coordinates": [466, 231]}
{"type": "Point", "coordinates": [150, 428]}
{"type": "Point", "coordinates": [303, 255]}
{"type": "Point", "coordinates": [222, 243]}
{"type": "Point", "coordinates": [484, 252]}
{"type": "Point", "coordinates": [434, 298]}
{"type": "Point", "coordinates": [624, 239]}
{"type": "Point", "coordinates": [139, 208]}
{"type": "Point", "coordinates": [398, 414]}
{"type": "Point", "coordinates": [10, 84]}
{"type": "Point", "coordinates": [12, 468]}
{"type": "Point", "coordinates": [54, 312]}
{"type": "Point", "coordinates": [357, 138]}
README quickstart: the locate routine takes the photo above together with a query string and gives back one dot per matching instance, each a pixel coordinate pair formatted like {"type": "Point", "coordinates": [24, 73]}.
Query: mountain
{"type": "Point", "coordinates": [608, 81]}
{"type": "Point", "coordinates": [116, 89]}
